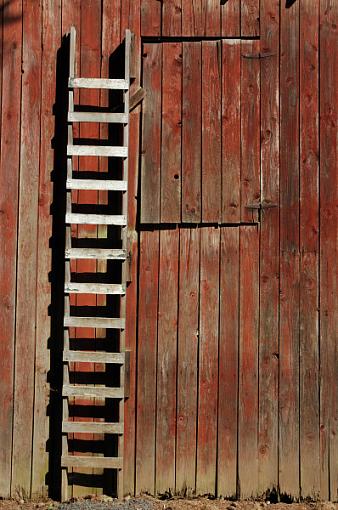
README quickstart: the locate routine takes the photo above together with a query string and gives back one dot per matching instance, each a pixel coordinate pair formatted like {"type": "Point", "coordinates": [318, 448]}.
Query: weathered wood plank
{"type": "Point", "coordinates": [167, 361]}
{"type": "Point", "coordinates": [86, 461]}
{"type": "Point", "coordinates": [289, 253]}
{"type": "Point", "coordinates": [208, 361]}
{"type": "Point", "coordinates": [211, 132]}
{"type": "Point", "coordinates": [172, 18]}
{"type": "Point", "coordinates": [309, 226]}
{"type": "Point", "coordinates": [51, 30]}
{"type": "Point", "coordinates": [250, 18]}
{"type": "Point", "coordinates": [9, 173]}
{"type": "Point", "coordinates": [96, 219]}
{"type": "Point", "coordinates": [72, 390]}
{"type": "Point", "coordinates": [151, 134]}
{"type": "Point", "coordinates": [27, 247]}
{"type": "Point", "coordinates": [191, 132]}
{"type": "Point", "coordinates": [98, 83]}
{"type": "Point", "coordinates": [228, 364]}
{"type": "Point", "coordinates": [250, 130]}
{"type": "Point", "coordinates": [248, 362]}
{"type": "Point", "coordinates": [151, 18]}
{"type": "Point", "coordinates": [94, 357]}
{"type": "Point", "coordinates": [230, 18]}
{"type": "Point", "coordinates": [211, 15]}
{"type": "Point", "coordinates": [269, 251]}
{"type": "Point", "coordinates": [95, 184]}
{"type": "Point", "coordinates": [102, 151]}
{"type": "Point", "coordinates": [93, 322]}
{"type": "Point", "coordinates": [93, 427]}
{"type": "Point", "coordinates": [94, 288]}
{"type": "Point", "coordinates": [187, 362]}
{"type": "Point", "coordinates": [95, 253]}
{"type": "Point", "coordinates": [328, 249]}
{"type": "Point", "coordinates": [231, 131]}
{"type": "Point", "coordinates": [146, 366]}
{"type": "Point", "coordinates": [192, 20]}
{"type": "Point", "coordinates": [119, 118]}
{"type": "Point", "coordinates": [171, 133]}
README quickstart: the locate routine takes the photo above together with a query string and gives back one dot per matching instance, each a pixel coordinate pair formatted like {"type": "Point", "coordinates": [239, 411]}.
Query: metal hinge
{"type": "Point", "coordinates": [258, 55]}
{"type": "Point", "coordinates": [260, 207]}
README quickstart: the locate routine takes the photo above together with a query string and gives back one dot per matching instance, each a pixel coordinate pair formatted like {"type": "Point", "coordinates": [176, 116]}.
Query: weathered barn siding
{"type": "Point", "coordinates": [231, 327]}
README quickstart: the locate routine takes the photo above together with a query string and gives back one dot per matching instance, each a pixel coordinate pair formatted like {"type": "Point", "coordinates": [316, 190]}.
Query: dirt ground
{"type": "Point", "coordinates": [148, 503]}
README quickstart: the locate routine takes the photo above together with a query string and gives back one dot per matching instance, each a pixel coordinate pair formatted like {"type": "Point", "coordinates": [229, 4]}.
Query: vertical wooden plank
{"type": "Point", "coordinates": [208, 362]}
{"type": "Point", "coordinates": [269, 251]}
{"type": "Point", "coordinates": [250, 130]}
{"type": "Point", "coordinates": [167, 361]}
{"type": "Point", "coordinates": [309, 226]}
{"type": "Point", "coordinates": [289, 253]}
{"type": "Point", "coordinates": [151, 134]}
{"type": "Point", "coordinates": [27, 247]}
{"type": "Point", "coordinates": [248, 362]}
{"type": "Point", "coordinates": [231, 131]}
{"type": "Point", "coordinates": [9, 173]}
{"type": "Point", "coordinates": [146, 361]}
{"type": "Point", "coordinates": [192, 20]}
{"type": "Point", "coordinates": [211, 14]}
{"type": "Point", "coordinates": [230, 18]}
{"type": "Point", "coordinates": [131, 305]}
{"type": "Point", "coordinates": [151, 20]}
{"type": "Point", "coordinates": [228, 364]}
{"type": "Point", "coordinates": [51, 35]}
{"type": "Point", "coordinates": [187, 363]}
{"type": "Point", "coordinates": [191, 132]}
{"type": "Point", "coordinates": [171, 133]}
{"type": "Point", "coordinates": [250, 18]}
{"type": "Point", "coordinates": [171, 18]}
{"type": "Point", "coordinates": [211, 132]}
{"type": "Point", "coordinates": [328, 250]}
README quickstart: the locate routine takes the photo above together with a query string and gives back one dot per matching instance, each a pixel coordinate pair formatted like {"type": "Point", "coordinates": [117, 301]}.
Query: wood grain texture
{"type": "Point", "coordinates": [289, 253]}
{"type": "Point", "coordinates": [309, 226]}
{"type": "Point", "coordinates": [167, 361]}
{"type": "Point", "coordinates": [151, 22]}
{"type": "Point", "coordinates": [250, 130]}
{"type": "Point", "coordinates": [51, 28]}
{"type": "Point", "coordinates": [146, 362]}
{"type": "Point", "coordinates": [9, 173]}
{"type": "Point", "coordinates": [269, 251]}
{"type": "Point", "coordinates": [250, 18]}
{"type": "Point", "coordinates": [192, 20]}
{"type": "Point", "coordinates": [328, 251]}
{"type": "Point", "coordinates": [231, 131]}
{"type": "Point", "coordinates": [187, 362]}
{"type": "Point", "coordinates": [211, 14]}
{"type": "Point", "coordinates": [27, 248]}
{"type": "Point", "coordinates": [191, 132]}
{"type": "Point", "coordinates": [208, 361]}
{"type": "Point", "coordinates": [228, 363]}
{"type": "Point", "coordinates": [248, 362]}
{"type": "Point", "coordinates": [230, 18]}
{"type": "Point", "coordinates": [211, 132]}
{"type": "Point", "coordinates": [171, 133]}
{"type": "Point", "coordinates": [151, 134]}
{"type": "Point", "coordinates": [171, 18]}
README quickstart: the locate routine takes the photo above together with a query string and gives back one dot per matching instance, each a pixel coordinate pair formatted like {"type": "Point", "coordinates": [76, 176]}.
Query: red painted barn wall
{"type": "Point", "coordinates": [228, 395]}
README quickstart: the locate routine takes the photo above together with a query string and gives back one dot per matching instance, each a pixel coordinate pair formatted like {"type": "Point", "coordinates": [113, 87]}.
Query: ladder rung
{"type": "Point", "coordinates": [92, 427]}
{"type": "Point", "coordinates": [96, 184]}
{"type": "Point", "coordinates": [98, 83]}
{"type": "Point", "coordinates": [72, 390]}
{"type": "Point", "coordinates": [95, 253]}
{"type": "Point", "coordinates": [118, 118]}
{"type": "Point", "coordinates": [93, 322]}
{"type": "Point", "coordinates": [94, 288]}
{"type": "Point", "coordinates": [96, 219]}
{"type": "Point", "coordinates": [97, 150]}
{"type": "Point", "coordinates": [91, 462]}
{"type": "Point", "coordinates": [94, 357]}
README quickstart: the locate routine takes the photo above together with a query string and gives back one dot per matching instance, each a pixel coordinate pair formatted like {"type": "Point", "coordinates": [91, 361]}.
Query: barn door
{"type": "Point", "coordinates": [197, 376]}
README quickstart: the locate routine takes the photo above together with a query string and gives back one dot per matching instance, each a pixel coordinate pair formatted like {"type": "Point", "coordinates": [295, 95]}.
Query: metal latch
{"type": "Point", "coordinates": [260, 206]}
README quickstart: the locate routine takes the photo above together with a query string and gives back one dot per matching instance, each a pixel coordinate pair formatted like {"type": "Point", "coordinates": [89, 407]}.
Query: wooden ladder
{"type": "Point", "coordinates": [72, 390]}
